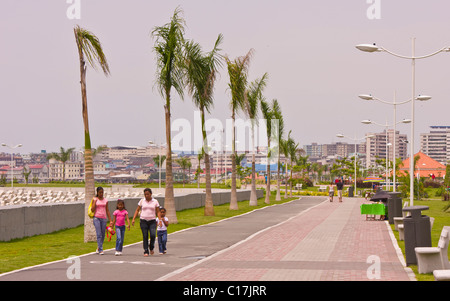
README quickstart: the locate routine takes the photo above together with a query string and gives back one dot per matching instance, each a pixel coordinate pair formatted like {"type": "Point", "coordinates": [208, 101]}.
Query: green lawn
{"type": "Point", "coordinates": [20, 253]}
{"type": "Point", "coordinates": [441, 219]}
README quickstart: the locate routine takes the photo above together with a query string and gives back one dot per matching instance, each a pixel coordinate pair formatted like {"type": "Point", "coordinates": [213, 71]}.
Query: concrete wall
{"type": "Point", "coordinates": [19, 221]}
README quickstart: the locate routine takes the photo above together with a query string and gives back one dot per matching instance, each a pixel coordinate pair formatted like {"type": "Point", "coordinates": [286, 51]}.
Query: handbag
{"type": "Point", "coordinates": [90, 212]}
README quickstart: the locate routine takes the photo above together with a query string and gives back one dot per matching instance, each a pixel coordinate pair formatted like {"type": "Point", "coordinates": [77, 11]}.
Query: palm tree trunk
{"type": "Point", "coordinates": [209, 206]}
{"type": "Point", "coordinates": [169, 198]}
{"type": "Point", "coordinates": [233, 200]}
{"type": "Point", "coordinates": [290, 178]}
{"type": "Point", "coordinates": [285, 180]}
{"type": "Point", "coordinates": [89, 187]}
{"type": "Point", "coordinates": [267, 200]}
{"type": "Point", "coordinates": [253, 198]}
{"type": "Point", "coordinates": [278, 197]}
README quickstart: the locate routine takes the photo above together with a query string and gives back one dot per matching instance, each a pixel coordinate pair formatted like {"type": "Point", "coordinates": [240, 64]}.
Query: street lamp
{"type": "Point", "coordinates": [395, 103]}
{"type": "Point", "coordinates": [12, 159]}
{"type": "Point", "coordinates": [374, 48]}
{"type": "Point", "coordinates": [355, 139]}
{"type": "Point", "coordinates": [395, 138]}
{"type": "Point", "coordinates": [160, 159]}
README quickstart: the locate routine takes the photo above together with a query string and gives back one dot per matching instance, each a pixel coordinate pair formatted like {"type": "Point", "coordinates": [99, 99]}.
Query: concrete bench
{"type": "Point", "coordinates": [434, 258]}
{"type": "Point", "coordinates": [441, 275]}
{"type": "Point", "coordinates": [322, 188]}
{"type": "Point", "coordinates": [399, 220]}
{"type": "Point", "coordinates": [298, 186]}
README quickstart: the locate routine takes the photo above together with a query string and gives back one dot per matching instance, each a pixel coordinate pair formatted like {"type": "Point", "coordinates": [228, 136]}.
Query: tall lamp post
{"type": "Point", "coordinates": [160, 159]}
{"type": "Point", "coordinates": [395, 103]}
{"type": "Point", "coordinates": [355, 139]}
{"type": "Point", "coordinates": [387, 125]}
{"type": "Point", "coordinates": [413, 58]}
{"type": "Point", "coordinates": [12, 159]}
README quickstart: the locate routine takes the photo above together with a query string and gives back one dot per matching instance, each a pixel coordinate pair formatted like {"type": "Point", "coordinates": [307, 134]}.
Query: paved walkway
{"type": "Point", "coordinates": [306, 239]}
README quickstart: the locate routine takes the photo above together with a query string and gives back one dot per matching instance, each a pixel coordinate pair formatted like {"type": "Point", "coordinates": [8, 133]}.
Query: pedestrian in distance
{"type": "Point", "coordinates": [149, 208]}
{"type": "Point", "coordinates": [163, 222]}
{"type": "Point", "coordinates": [119, 222]}
{"type": "Point", "coordinates": [331, 191]}
{"type": "Point", "coordinates": [339, 186]}
{"type": "Point", "coordinates": [101, 216]}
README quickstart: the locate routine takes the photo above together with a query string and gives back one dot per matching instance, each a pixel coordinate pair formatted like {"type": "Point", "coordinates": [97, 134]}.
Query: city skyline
{"type": "Point", "coordinates": [308, 50]}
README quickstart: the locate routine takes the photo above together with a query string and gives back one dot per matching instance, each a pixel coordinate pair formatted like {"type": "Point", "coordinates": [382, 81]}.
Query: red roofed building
{"type": "Point", "coordinates": [425, 167]}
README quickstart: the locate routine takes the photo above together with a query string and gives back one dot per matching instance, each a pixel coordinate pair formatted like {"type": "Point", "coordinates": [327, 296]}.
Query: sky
{"type": "Point", "coordinates": [306, 47]}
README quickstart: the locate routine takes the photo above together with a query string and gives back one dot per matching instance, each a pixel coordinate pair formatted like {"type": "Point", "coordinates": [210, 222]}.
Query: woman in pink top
{"type": "Point", "coordinates": [100, 207]}
{"type": "Point", "coordinates": [149, 208]}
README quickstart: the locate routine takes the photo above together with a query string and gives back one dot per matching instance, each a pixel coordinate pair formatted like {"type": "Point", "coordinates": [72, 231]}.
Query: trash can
{"type": "Point", "coordinates": [394, 203]}
{"type": "Point", "coordinates": [417, 232]}
{"type": "Point", "coordinates": [350, 191]}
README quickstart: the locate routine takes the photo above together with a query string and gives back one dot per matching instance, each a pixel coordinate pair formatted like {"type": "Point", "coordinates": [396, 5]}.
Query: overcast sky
{"type": "Point", "coordinates": [306, 47]}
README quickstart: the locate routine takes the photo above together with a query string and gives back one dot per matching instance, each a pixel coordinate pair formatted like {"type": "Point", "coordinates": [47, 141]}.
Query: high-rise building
{"type": "Point", "coordinates": [436, 143]}
{"type": "Point", "coordinates": [377, 146]}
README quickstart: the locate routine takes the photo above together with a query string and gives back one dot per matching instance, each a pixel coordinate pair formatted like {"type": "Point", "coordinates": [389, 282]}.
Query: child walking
{"type": "Point", "coordinates": [119, 222]}
{"type": "Point", "coordinates": [162, 223]}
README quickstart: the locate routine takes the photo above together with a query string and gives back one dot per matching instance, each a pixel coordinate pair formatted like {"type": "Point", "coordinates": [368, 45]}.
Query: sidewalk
{"type": "Point", "coordinates": [331, 241]}
{"type": "Point", "coordinates": [306, 239]}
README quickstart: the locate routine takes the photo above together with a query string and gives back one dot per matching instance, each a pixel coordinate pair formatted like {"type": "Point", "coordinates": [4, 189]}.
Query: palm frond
{"type": "Point", "coordinates": [169, 40]}
{"type": "Point", "coordinates": [91, 47]}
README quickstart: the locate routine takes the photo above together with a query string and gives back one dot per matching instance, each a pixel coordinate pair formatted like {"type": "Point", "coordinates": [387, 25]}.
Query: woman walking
{"type": "Point", "coordinates": [100, 207]}
{"type": "Point", "coordinates": [149, 208]}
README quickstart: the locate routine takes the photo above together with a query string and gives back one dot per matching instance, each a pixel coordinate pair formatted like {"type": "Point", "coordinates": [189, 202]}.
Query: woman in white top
{"type": "Point", "coordinates": [331, 192]}
{"type": "Point", "coordinates": [149, 208]}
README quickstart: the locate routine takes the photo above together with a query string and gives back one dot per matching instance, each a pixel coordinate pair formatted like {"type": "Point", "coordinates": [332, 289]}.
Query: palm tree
{"type": "Point", "coordinates": [63, 157]}
{"type": "Point", "coordinates": [200, 156]}
{"type": "Point", "coordinates": [279, 135]}
{"type": "Point", "coordinates": [170, 74]}
{"type": "Point", "coordinates": [254, 95]}
{"type": "Point", "coordinates": [184, 163]}
{"type": "Point", "coordinates": [88, 46]}
{"type": "Point", "coordinates": [292, 152]}
{"type": "Point", "coordinates": [237, 71]}
{"type": "Point", "coordinates": [268, 116]}
{"type": "Point", "coordinates": [201, 70]}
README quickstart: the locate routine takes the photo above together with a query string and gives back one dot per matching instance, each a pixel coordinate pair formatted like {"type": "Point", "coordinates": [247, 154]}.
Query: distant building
{"type": "Point", "coordinates": [376, 147]}
{"type": "Point", "coordinates": [436, 143]}
{"type": "Point", "coordinates": [426, 167]}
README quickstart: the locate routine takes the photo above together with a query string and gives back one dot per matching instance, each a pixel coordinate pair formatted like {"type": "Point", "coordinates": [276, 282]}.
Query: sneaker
{"type": "Point", "coordinates": [101, 253]}
{"type": "Point", "coordinates": [116, 253]}
{"type": "Point", "coordinates": [145, 254]}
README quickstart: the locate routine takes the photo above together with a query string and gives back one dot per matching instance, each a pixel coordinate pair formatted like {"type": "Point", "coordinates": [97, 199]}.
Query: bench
{"type": "Point", "coordinates": [399, 220]}
{"type": "Point", "coordinates": [434, 258]}
{"type": "Point", "coordinates": [441, 275]}
{"type": "Point", "coordinates": [298, 186]}
{"type": "Point", "coordinates": [322, 188]}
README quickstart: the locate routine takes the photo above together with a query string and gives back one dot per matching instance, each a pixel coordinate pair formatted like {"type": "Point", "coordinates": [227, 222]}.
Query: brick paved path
{"type": "Point", "coordinates": [331, 241]}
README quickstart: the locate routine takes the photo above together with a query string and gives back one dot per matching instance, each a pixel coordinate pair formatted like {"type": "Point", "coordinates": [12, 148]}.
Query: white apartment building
{"type": "Point", "coordinates": [436, 143]}
{"type": "Point", "coordinates": [73, 170]}
{"type": "Point", "coordinates": [384, 142]}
